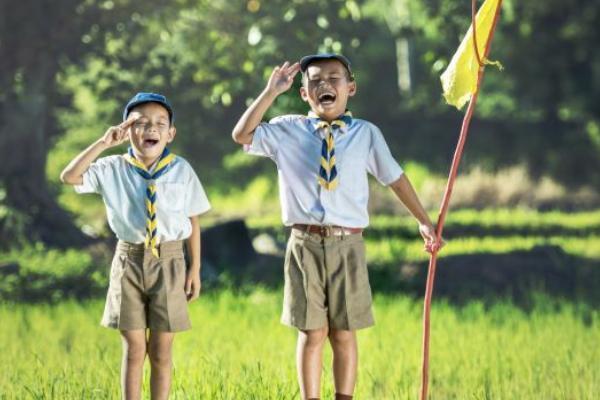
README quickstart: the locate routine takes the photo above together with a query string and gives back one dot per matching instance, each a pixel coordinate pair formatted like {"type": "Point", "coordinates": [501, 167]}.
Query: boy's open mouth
{"type": "Point", "coordinates": [149, 143]}
{"type": "Point", "coordinates": [327, 98]}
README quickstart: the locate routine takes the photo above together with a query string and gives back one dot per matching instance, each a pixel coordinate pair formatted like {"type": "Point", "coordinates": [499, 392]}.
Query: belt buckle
{"type": "Point", "coordinates": [326, 230]}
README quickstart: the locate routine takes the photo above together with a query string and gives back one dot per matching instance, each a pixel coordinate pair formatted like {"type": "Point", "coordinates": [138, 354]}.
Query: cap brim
{"type": "Point", "coordinates": [137, 103]}
{"type": "Point", "coordinates": [307, 60]}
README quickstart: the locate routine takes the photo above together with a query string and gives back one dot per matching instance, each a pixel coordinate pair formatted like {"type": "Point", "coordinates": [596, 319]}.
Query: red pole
{"type": "Point", "coordinates": [444, 208]}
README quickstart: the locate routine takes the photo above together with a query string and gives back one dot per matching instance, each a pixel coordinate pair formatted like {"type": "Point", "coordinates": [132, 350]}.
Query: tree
{"type": "Point", "coordinates": [36, 39]}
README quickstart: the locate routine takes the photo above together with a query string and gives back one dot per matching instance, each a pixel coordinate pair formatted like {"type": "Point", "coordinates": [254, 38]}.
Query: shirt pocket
{"type": "Point", "coordinates": [170, 196]}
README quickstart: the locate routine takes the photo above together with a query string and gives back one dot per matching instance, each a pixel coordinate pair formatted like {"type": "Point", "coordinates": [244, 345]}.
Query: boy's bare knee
{"type": "Point", "coordinates": [342, 338]}
{"type": "Point", "coordinates": [135, 352]}
{"type": "Point", "coordinates": [160, 359]}
{"type": "Point", "coordinates": [315, 337]}
{"type": "Point", "coordinates": [160, 356]}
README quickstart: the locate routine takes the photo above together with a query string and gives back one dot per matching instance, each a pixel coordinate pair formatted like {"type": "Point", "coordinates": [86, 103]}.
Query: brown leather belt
{"type": "Point", "coordinates": [327, 230]}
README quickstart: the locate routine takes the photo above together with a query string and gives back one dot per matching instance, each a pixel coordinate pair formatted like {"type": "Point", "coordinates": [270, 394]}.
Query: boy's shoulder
{"type": "Point", "coordinates": [110, 161]}
{"type": "Point", "coordinates": [289, 118]}
{"type": "Point", "coordinates": [182, 163]}
{"type": "Point", "coordinates": [183, 169]}
{"type": "Point", "coordinates": [364, 124]}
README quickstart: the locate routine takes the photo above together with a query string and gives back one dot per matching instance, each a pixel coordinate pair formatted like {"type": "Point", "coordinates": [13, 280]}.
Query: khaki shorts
{"type": "Point", "coordinates": [326, 282]}
{"type": "Point", "coordinates": [146, 292]}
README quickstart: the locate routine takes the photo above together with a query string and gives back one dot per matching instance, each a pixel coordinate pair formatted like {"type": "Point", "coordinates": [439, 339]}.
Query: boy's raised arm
{"type": "Point", "coordinates": [114, 136]}
{"type": "Point", "coordinates": [281, 80]}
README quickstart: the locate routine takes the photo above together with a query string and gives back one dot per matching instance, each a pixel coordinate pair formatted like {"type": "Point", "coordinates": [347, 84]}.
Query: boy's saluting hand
{"type": "Point", "coordinates": [280, 81]}
{"type": "Point", "coordinates": [282, 77]}
{"type": "Point", "coordinates": [115, 135]}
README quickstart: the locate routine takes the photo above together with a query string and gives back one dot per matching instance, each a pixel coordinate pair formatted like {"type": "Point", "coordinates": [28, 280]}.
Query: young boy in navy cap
{"type": "Point", "coordinates": [152, 199]}
{"type": "Point", "coordinates": [322, 161]}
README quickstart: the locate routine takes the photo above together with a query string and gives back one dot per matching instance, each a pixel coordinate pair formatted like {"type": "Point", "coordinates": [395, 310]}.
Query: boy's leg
{"type": "Point", "coordinates": [345, 361]}
{"type": "Point", "coordinates": [134, 353]}
{"type": "Point", "coordinates": [349, 307]}
{"type": "Point", "coordinates": [309, 356]}
{"type": "Point", "coordinates": [159, 352]}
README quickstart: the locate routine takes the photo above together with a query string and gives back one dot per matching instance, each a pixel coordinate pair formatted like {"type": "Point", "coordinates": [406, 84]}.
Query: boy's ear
{"type": "Point", "coordinates": [303, 93]}
{"type": "Point", "coordinates": [172, 133]}
{"type": "Point", "coordinates": [352, 88]}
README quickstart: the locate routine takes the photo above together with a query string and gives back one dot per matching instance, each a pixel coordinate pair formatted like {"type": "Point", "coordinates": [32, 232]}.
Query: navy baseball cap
{"type": "Point", "coordinates": [307, 60]}
{"type": "Point", "coordinates": [142, 98]}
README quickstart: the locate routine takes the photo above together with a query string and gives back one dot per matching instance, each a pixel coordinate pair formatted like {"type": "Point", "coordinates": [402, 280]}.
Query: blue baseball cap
{"type": "Point", "coordinates": [307, 60]}
{"type": "Point", "coordinates": [142, 98]}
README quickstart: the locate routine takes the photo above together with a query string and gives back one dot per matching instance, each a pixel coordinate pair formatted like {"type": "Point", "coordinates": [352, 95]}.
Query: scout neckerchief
{"type": "Point", "coordinates": [328, 173]}
{"type": "Point", "coordinates": [162, 166]}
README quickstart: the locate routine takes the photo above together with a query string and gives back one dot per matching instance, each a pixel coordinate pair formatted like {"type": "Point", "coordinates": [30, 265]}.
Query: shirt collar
{"type": "Point", "coordinates": [313, 121]}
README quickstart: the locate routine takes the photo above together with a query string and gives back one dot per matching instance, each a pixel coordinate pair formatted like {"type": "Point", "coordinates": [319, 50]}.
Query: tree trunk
{"type": "Point", "coordinates": [25, 129]}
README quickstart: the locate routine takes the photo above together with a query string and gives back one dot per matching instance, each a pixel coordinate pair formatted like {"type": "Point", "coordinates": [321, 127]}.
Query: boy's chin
{"type": "Point", "coordinates": [329, 113]}
{"type": "Point", "coordinates": [148, 152]}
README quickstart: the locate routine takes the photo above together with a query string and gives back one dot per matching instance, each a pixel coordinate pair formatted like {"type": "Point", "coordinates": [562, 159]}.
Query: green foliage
{"type": "Point", "coordinates": [13, 223]}
{"type": "Point", "coordinates": [238, 350]}
{"type": "Point", "coordinates": [49, 275]}
{"type": "Point", "coordinates": [258, 197]}
{"type": "Point", "coordinates": [417, 173]}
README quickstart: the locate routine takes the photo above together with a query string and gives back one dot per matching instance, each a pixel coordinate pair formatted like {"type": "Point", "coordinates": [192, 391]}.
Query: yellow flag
{"type": "Point", "coordinates": [459, 80]}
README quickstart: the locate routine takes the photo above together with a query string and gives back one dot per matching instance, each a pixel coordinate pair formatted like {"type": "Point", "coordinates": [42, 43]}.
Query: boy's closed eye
{"type": "Point", "coordinates": [140, 123]}
{"type": "Point", "coordinates": [146, 124]}
{"type": "Point", "coordinates": [328, 79]}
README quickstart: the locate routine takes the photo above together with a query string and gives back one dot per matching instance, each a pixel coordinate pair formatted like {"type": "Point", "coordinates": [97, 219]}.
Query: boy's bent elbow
{"type": "Point", "coordinates": [68, 179]}
{"type": "Point", "coordinates": [64, 177]}
{"type": "Point", "coordinates": [241, 137]}
{"type": "Point", "coordinates": [234, 135]}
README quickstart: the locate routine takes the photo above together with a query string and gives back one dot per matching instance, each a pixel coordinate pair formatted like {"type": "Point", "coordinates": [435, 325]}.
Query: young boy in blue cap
{"type": "Point", "coordinates": [152, 199]}
{"type": "Point", "coordinates": [323, 160]}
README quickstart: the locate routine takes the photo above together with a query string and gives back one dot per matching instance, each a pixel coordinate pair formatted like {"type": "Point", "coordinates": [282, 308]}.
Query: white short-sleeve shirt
{"type": "Point", "coordinates": [179, 195]}
{"type": "Point", "coordinates": [294, 143]}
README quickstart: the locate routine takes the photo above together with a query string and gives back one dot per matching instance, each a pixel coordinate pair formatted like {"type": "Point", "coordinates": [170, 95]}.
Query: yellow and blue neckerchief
{"type": "Point", "coordinates": [164, 162]}
{"type": "Point", "coordinates": [328, 173]}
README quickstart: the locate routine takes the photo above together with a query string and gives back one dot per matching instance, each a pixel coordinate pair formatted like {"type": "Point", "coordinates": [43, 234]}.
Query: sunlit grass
{"type": "Point", "coordinates": [501, 217]}
{"type": "Point", "coordinates": [394, 249]}
{"type": "Point", "coordinates": [238, 350]}
{"type": "Point", "coordinates": [387, 242]}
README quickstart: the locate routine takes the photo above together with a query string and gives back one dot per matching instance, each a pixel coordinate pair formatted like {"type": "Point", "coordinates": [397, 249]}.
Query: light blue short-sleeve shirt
{"type": "Point", "coordinates": [180, 195]}
{"type": "Point", "coordinates": [293, 142]}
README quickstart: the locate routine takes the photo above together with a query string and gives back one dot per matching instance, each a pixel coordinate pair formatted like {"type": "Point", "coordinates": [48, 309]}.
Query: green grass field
{"type": "Point", "coordinates": [53, 347]}
{"type": "Point", "coordinates": [238, 350]}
